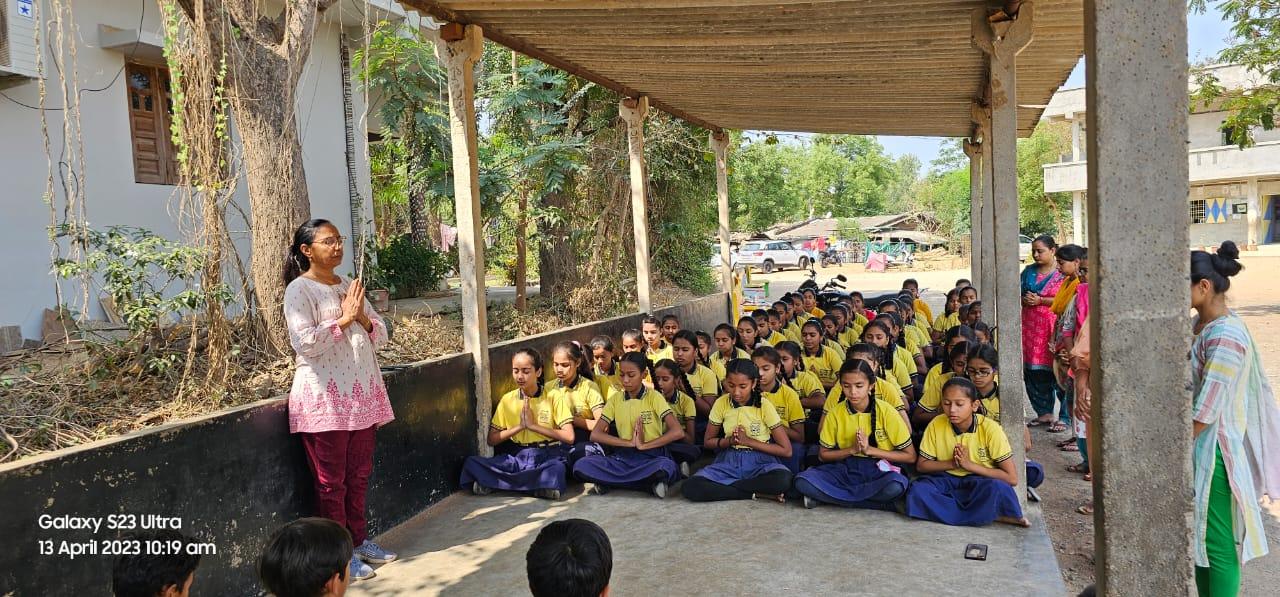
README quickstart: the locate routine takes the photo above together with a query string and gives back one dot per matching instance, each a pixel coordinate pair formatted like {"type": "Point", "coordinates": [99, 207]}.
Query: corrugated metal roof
{"type": "Point", "coordinates": [892, 67]}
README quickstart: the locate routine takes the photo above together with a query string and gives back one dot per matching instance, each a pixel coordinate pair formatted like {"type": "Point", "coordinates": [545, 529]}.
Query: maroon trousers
{"type": "Point", "coordinates": [340, 462]}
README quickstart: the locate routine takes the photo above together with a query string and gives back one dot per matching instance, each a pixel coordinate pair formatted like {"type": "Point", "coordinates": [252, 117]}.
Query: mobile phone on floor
{"type": "Point", "coordinates": [975, 551]}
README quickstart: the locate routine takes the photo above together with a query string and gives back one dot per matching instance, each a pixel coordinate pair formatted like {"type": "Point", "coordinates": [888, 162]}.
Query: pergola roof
{"type": "Point", "coordinates": [889, 67]}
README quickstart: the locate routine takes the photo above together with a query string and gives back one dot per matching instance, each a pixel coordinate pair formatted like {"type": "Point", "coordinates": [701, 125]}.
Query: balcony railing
{"type": "Point", "coordinates": [1206, 164]}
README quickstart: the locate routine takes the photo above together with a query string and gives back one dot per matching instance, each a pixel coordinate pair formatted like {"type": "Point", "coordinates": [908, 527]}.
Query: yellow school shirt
{"type": "Point", "coordinates": [793, 329]}
{"type": "Point", "coordinates": [944, 323]}
{"type": "Point", "coordinates": [851, 335]}
{"type": "Point", "coordinates": [834, 344]}
{"type": "Point", "coordinates": [583, 396]}
{"type": "Point", "coordinates": [683, 407]}
{"type": "Point", "coordinates": [549, 411]}
{"type": "Point", "coordinates": [903, 367]}
{"type": "Point", "coordinates": [861, 320]}
{"type": "Point", "coordinates": [758, 421]}
{"type": "Point", "coordinates": [885, 391]}
{"type": "Point", "coordinates": [717, 364]}
{"type": "Point", "coordinates": [657, 355]}
{"type": "Point", "coordinates": [703, 380]}
{"type": "Point", "coordinates": [840, 428]}
{"type": "Point", "coordinates": [825, 364]}
{"type": "Point", "coordinates": [816, 312]}
{"type": "Point", "coordinates": [922, 308]}
{"type": "Point", "coordinates": [931, 398]}
{"type": "Point", "coordinates": [915, 338]}
{"type": "Point", "coordinates": [604, 382]}
{"type": "Point", "coordinates": [650, 407]}
{"type": "Point", "coordinates": [805, 384]}
{"type": "Point", "coordinates": [787, 401]}
{"type": "Point", "coordinates": [913, 345]}
{"type": "Point", "coordinates": [775, 338]}
{"type": "Point", "coordinates": [988, 445]}
{"type": "Point", "coordinates": [991, 403]}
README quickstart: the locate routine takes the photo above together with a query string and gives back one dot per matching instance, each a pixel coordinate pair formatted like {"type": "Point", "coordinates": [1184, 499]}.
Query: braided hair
{"type": "Point", "coordinates": [701, 335]}
{"type": "Point", "coordinates": [578, 356]}
{"type": "Point", "coordinates": [791, 348]}
{"type": "Point", "coordinates": [749, 369]}
{"type": "Point", "coordinates": [886, 354]}
{"type": "Point", "coordinates": [682, 380]}
{"type": "Point", "coordinates": [860, 366]}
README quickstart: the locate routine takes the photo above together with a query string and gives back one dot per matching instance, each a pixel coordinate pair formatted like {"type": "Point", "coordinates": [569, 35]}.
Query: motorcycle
{"type": "Point", "coordinates": [829, 257]}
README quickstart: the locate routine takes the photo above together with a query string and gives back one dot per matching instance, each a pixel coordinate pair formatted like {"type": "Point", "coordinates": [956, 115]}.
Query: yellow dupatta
{"type": "Point", "coordinates": [1066, 293]}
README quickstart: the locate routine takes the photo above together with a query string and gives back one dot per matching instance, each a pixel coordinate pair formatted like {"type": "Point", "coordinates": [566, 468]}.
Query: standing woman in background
{"type": "Point", "coordinates": [338, 398]}
{"type": "Point", "coordinates": [1236, 425]}
{"type": "Point", "coordinates": [1040, 283]}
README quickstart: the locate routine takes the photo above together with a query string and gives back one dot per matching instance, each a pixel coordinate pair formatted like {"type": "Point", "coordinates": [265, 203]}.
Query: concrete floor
{"type": "Point", "coordinates": [470, 545]}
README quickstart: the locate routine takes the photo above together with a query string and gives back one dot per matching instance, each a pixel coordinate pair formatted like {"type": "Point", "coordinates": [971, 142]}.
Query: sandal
{"type": "Point", "coordinates": [1036, 423]}
{"type": "Point", "coordinates": [1088, 477]}
{"type": "Point", "coordinates": [1079, 467]}
{"type": "Point", "coordinates": [1071, 441]}
{"type": "Point", "coordinates": [1086, 509]}
{"type": "Point", "coordinates": [1056, 427]}
{"type": "Point", "coordinates": [1071, 447]}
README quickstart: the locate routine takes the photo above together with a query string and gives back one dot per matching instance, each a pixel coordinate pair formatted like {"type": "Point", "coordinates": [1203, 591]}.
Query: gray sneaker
{"type": "Point", "coordinates": [810, 503]}
{"type": "Point", "coordinates": [594, 489]}
{"type": "Point", "coordinates": [479, 489]}
{"type": "Point", "coordinates": [360, 570]}
{"type": "Point", "coordinates": [373, 554]}
{"type": "Point", "coordinates": [684, 470]}
{"type": "Point", "coordinates": [547, 494]}
{"type": "Point", "coordinates": [660, 490]}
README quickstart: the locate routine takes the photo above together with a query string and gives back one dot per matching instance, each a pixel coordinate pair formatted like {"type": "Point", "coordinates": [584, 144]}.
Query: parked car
{"type": "Point", "coordinates": [771, 255]}
{"type": "Point", "coordinates": [714, 261]}
{"type": "Point", "coordinates": [1024, 247]}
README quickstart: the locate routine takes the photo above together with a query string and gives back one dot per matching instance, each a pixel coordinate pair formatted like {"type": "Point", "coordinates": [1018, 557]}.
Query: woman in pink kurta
{"type": "Point", "coordinates": [1040, 283]}
{"type": "Point", "coordinates": [338, 397]}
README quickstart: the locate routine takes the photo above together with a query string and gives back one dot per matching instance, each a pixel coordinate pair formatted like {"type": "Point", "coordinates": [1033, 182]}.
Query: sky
{"type": "Point", "coordinates": [1206, 36]}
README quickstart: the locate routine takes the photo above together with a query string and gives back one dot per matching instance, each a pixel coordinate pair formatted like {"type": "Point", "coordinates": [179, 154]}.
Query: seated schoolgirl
{"type": "Point", "coordinates": [632, 341]}
{"type": "Point", "coordinates": [982, 367]}
{"type": "Point", "coordinates": [831, 332]}
{"type": "Point", "coordinates": [747, 432]}
{"type": "Point", "coordinates": [748, 334]}
{"type": "Point", "coordinates": [785, 399]}
{"type": "Point", "coordinates": [894, 365]}
{"type": "Point", "coordinates": [903, 335]}
{"type": "Point", "coordinates": [705, 346]}
{"type": "Point", "coordinates": [530, 432]}
{"type": "Point", "coordinates": [725, 337]}
{"type": "Point", "coordinates": [670, 325]}
{"type": "Point", "coordinates": [575, 384]}
{"type": "Point", "coordinates": [967, 475]}
{"type": "Point", "coordinates": [912, 329]}
{"type": "Point", "coordinates": [703, 384]}
{"type": "Point", "coordinates": [655, 347]}
{"type": "Point", "coordinates": [930, 404]}
{"type": "Point", "coordinates": [670, 381]}
{"type": "Point", "coordinates": [861, 314]}
{"type": "Point", "coordinates": [982, 332]}
{"type": "Point", "coordinates": [639, 458]}
{"type": "Point", "coordinates": [775, 328]}
{"type": "Point", "coordinates": [949, 318]}
{"type": "Point", "coordinates": [861, 440]}
{"type": "Point", "coordinates": [819, 359]}
{"type": "Point", "coordinates": [968, 294]}
{"type": "Point", "coordinates": [884, 390]}
{"type": "Point", "coordinates": [974, 314]}
{"type": "Point", "coordinates": [606, 364]}
{"type": "Point", "coordinates": [806, 385]}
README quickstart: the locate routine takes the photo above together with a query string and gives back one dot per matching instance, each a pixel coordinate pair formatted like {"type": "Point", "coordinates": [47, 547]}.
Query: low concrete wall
{"type": "Point", "coordinates": [233, 477]}
{"type": "Point", "coordinates": [699, 314]}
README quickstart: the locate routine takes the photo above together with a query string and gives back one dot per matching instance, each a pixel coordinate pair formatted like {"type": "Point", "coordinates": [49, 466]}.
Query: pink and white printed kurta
{"type": "Point", "coordinates": [337, 385]}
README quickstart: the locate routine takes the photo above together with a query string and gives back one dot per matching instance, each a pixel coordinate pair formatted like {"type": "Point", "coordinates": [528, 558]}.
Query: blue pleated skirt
{"type": "Point", "coordinates": [524, 469]}
{"type": "Point", "coordinates": [798, 453]}
{"type": "Point", "coordinates": [682, 452]}
{"type": "Point", "coordinates": [851, 482]}
{"type": "Point", "coordinates": [1035, 473]}
{"type": "Point", "coordinates": [961, 501]}
{"type": "Point", "coordinates": [628, 468]}
{"type": "Point", "coordinates": [732, 465]}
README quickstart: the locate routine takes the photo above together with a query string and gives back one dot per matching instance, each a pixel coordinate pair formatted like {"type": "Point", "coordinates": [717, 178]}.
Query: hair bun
{"type": "Point", "coordinates": [1225, 262]}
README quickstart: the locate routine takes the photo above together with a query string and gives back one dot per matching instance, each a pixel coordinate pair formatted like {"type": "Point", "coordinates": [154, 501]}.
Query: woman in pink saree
{"type": "Point", "coordinates": [1040, 283]}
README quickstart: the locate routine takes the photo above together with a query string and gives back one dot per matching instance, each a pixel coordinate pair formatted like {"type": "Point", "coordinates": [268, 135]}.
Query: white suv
{"type": "Point", "coordinates": [770, 255]}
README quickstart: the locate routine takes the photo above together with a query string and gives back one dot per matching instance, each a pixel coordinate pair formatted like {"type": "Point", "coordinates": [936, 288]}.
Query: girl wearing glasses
{"type": "Point", "coordinates": [982, 369]}
{"type": "Point", "coordinates": [337, 399]}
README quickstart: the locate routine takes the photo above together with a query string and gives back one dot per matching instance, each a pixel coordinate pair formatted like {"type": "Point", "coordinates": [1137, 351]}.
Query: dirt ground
{"type": "Point", "coordinates": [1255, 295]}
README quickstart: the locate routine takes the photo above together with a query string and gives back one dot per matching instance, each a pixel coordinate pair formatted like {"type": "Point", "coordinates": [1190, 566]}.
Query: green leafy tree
{"type": "Point", "coordinates": [1255, 25]}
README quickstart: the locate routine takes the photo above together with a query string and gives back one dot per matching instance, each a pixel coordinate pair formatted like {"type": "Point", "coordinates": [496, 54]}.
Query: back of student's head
{"type": "Point", "coordinates": [1217, 267]}
{"type": "Point", "coordinates": [302, 557]}
{"type": "Point", "coordinates": [148, 574]}
{"type": "Point", "coordinates": [570, 558]}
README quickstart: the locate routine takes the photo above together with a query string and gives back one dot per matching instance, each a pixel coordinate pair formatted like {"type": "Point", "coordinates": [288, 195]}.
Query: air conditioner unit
{"type": "Point", "coordinates": [17, 41]}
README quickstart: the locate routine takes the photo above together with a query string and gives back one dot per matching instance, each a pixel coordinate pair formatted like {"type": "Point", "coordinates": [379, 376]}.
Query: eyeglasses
{"type": "Point", "coordinates": [330, 242]}
{"type": "Point", "coordinates": [979, 372]}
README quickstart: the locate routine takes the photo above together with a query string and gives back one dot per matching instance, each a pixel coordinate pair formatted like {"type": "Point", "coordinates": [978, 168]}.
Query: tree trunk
{"type": "Point", "coordinates": [418, 227]}
{"type": "Point", "coordinates": [522, 265]}
{"type": "Point", "coordinates": [557, 262]}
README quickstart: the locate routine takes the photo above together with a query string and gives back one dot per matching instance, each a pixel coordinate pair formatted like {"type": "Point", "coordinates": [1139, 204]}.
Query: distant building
{"type": "Point", "coordinates": [1234, 192]}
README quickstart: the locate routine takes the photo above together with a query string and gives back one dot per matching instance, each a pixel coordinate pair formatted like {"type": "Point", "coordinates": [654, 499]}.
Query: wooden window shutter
{"type": "Point", "coordinates": [149, 104]}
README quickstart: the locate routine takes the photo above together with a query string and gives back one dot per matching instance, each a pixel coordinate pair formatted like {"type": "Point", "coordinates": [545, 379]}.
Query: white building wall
{"type": "Point", "coordinates": [111, 195]}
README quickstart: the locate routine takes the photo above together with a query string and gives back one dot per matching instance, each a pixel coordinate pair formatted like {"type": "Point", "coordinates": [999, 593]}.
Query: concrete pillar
{"type": "Point", "coordinates": [633, 111]}
{"type": "Point", "coordinates": [973, 149]}
{"type": "Point", "coordinates": [1077, 217]}
{"type": "Point", "coordinates": [984, 279]}
{"type": "Point", "coordinates": [720, 146]}
{"type": "Point", "coordinates": [1137, 147]}
{"type": "Point", "coordinates": [1253, 204]}
{"type": "Point", "coordinates": [1077, 150]}
{"type": "Point", "coordinates": [458, 48]}
{"type": "Point", "coordinates": [1001, 41]}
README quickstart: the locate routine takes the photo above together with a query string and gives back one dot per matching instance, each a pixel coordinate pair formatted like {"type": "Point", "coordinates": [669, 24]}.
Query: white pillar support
{"type": "Point", "coordinates": [720, 146]}
{"type": "Point", "coordinates": [1136, 92]}
{"type": "Point", "coordinates": [1254, 201]}
{"type": "Point", "coordinates": [1077, 217]}
{"type": "Point", "coordinates": [458, 48]}
{"type": "Point", "coordinates": [1077, 150]}
{"type": "Point", "coordinates": [1001, 41]}
{"type": "Point", "coordinates": [973, 149]}
{"type": "Point", "coordinates": [984, 278]}
{"type": "Point", "coordinates": [633, 111]}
